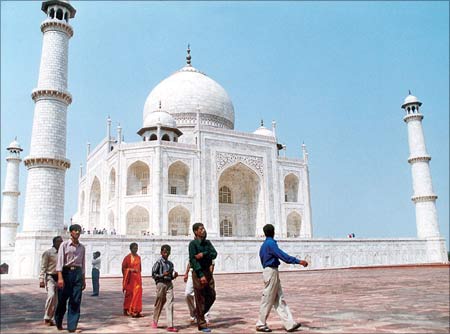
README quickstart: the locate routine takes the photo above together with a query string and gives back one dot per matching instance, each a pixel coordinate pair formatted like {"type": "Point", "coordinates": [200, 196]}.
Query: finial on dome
{"type": "Point", "coordinates": [188, 57]}
{"type": "Point", "coordinates": [409, 91]}
{"type": "Point", "coordinates": [262, 122]}
{"type": "Point", "coordinates": [159, 105]}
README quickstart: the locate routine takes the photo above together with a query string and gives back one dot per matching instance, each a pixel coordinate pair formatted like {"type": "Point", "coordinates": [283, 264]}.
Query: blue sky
{"type": "Point", "coordinates": [332, 75]}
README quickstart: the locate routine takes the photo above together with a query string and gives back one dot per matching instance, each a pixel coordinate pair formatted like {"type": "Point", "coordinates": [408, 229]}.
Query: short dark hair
{"type": "Point", "coordinates": [56, 239]}
{"type": "Point", "coordinates": [97, 253]}
{"type": "Point", "coordinates": [74, 227]}
{"type": "Point", "coordinates": [165, 247]}
{"type": "Point", "coordinates": [133, 244]}
{"type": "Point", "coordinates": [269, 230]}
{"type": "Point", "coordinates": [196, 226]}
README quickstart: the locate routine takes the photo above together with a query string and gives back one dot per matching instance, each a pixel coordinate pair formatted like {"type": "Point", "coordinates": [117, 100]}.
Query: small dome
{"type": "Point", "coordinates": [14, 146]}
{"type": "Point", "coordinates": [411, 99]}
{"type": "Point", "coordinates": [161, 117]}
{"type": "Point", "coordinates": [263, 131]}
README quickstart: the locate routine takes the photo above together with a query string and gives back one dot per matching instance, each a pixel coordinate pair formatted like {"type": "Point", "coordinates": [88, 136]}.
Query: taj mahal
{"type": "Point", "coordinates": [186, 164]}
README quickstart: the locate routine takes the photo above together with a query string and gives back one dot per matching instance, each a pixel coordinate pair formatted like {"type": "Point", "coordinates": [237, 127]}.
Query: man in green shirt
{"type": "Point", "coordinates": [201, 255]}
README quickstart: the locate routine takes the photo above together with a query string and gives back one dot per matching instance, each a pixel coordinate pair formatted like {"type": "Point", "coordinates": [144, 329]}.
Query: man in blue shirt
{"type": "Point", "coordinates": [270, 256]}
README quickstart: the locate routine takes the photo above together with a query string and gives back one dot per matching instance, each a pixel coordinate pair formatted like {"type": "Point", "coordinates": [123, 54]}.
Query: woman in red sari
{"type": "Point", "coordinates": [132, 283]}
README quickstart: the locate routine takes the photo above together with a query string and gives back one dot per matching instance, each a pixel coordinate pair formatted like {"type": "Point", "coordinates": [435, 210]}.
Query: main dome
{"type": "Point", "coordinates": [187, 91]}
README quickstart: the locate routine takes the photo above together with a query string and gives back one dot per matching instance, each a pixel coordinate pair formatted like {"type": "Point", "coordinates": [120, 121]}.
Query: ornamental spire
{"type": "Point", "coordinates": [188, 57]}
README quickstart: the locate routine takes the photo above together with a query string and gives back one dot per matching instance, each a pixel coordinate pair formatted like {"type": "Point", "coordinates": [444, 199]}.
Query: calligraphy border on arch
{"type": "Point", "coordinates": [224, 160]}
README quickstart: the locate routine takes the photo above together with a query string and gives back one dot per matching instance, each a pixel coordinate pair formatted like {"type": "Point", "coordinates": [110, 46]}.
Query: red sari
{"type": "Point", "coordinates": [132, 284]}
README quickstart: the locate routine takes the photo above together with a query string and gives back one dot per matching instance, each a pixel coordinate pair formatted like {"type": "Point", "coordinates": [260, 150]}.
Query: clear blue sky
{"type": "Point", "coordinates": [332, 74]}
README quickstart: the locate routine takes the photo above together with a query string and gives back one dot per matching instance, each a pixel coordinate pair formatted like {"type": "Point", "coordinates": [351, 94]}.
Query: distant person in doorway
{"type": "Point", "coordinates": [272, 296]}
{"type": "Point", "coordinates": [201, 255]}
{"type": "Point", "coordinates": [132, 283]}
{"type": "Point", "coordinates": [96, 263]}
{"type": "Point", "coordinates": [71, 279]}
{"type": "Point", "coordinates": [48, 279]}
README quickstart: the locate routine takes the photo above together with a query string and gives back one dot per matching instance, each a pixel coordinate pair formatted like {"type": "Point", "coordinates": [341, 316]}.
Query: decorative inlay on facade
{"type": "Point", "coordinates": [224, 160]}
{"type": "Point", "coordinates": [38, 94]}
{"type": "Point", "coordinates": [205, 119]}
{"type": "Point", "coordinates": [57, 25]}
{"type": "Point", "coordinates": [48, 162]}
{"type": "Point", "coordinates": [417, 117]}
{"type": "Point", "coordinates": [425, 158]}
{"type": "Point", "coordinates": [427, 198]}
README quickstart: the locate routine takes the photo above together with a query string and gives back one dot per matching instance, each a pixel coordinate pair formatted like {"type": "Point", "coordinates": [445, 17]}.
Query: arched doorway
{"type": "Point", "coordinates": [179, 221]}
{"type": "Point", "coordinates": [293, 225]}
{"type": "Point", "coordinates": [178, 178]}
{"type": "Point", "coordinates": [94, 204]}
{"type": "Point", "coordinates": [137, 221]}
{"type": "Point", "coordinates": [291, 188]}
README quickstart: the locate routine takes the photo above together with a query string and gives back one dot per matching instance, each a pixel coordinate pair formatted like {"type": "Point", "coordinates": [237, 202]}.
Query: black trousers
{"type": "Point", "coordinates": [95, 281]}
{"type": "Point", "coordinates": [205, 295]}
{"type": "Point", "coordinates": [73, 283]}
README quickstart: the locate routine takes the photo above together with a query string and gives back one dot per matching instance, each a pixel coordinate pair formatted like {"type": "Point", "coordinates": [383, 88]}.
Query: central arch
{"type": "Point", "coordinates": [241, 187]}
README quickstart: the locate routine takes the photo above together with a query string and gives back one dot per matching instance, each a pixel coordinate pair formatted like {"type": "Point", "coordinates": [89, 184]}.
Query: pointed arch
{"type": "Point", "coordinates": [138, 179]}
{"type": "Point", "coordinates": [112, 184]}
{"type": "Point", "coordinates": [137, 221]}
{"type": "Point", "coordinates": [179, 221]}
{"type": "Point", "coordinates": [82, 199]}
{"type": "Point", "coordinates": [293, 224]}
{"type": "Point", "coordinates": [247, 205]}
{"type": "Point", "coordinates": [95, 197]}
{"type": "Point", "coordinates": [178, 178]}
{"type": "Point", "coordinates": [165, 137]}
{"type": "Point", "coordinates": [59, 14]}
{"type": "Point", "coordinates": [111, 219]}
{"type": "Point", "coordinates": [291, 188]}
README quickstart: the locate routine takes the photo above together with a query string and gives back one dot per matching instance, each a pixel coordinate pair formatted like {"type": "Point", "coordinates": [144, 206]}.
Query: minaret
{"type": "Point", "coordinates": [47, 162]}
{"type": "Point", "coordinates": [424, 197]}
{"type": "Point", "coordinates": [11, 194]}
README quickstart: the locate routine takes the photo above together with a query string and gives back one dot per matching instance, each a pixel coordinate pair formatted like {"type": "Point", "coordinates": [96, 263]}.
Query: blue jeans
{"type": "Point", "coordinates": [73, 282]}
{"type": "Point", "coordinates": [95, 281]}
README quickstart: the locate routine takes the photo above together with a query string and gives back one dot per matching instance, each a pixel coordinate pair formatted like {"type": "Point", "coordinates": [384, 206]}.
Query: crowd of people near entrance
{"type": "Point", "coordinates": [63, 276]}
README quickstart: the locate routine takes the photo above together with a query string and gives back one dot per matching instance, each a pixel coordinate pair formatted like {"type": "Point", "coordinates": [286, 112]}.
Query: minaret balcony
{"type": "Point", "coordinates": [39, 94]}
{"type": "Point", "coordinates": [426, 198]}
{"type": "Point", "coordinates": [424, 158]}
{"type": "Point", "coordinates": [53, 24]}
{"type": "Point", "coordinates": [59, 163]}
{"type": "Point", "coordinates": [411, 117]}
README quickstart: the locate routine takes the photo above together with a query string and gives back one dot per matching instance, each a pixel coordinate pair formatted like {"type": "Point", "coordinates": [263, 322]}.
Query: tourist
{"type": "Point", "coordinates": [163, 273]}
{"type": "Point", "coordinates": [132, 283]}
{"type": "Point", "coordinates": [71, 279]}
{"type": "Point", "coordinates": [201, 255]}
{"type": "Point", "coordinates": [48, 279]}
{"type": "Point", "coordinates": [96, 263]}
{"type": "Point", "coordinates": [270, 256]}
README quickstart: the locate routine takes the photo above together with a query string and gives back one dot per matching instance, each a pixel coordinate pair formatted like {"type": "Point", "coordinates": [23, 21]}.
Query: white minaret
{"type": "Point", "coordinates": [47, 163]}
{"type": "Point", "coordinates": [424, 197]}
{"type": "Point", "coordinates": [11, 194]}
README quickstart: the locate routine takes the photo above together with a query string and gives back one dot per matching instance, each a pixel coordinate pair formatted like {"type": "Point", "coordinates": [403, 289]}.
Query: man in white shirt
{"type": "Point", "coordinates": [96, 262]}
{"type": "Point", "coordinates": [48, 279]}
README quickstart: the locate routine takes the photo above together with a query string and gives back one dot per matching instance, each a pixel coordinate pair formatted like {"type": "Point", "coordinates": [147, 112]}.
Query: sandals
{"type": "Point", "coordinates": [264, 329]}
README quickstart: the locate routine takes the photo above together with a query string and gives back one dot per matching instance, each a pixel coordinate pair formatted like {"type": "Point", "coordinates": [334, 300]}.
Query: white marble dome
{"type": "Point", "coordinates": [189, 90]}
{"type": "Point", "coordinates": [161, 117]}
